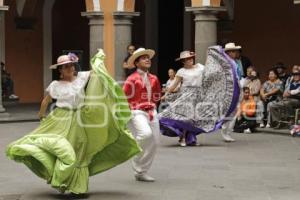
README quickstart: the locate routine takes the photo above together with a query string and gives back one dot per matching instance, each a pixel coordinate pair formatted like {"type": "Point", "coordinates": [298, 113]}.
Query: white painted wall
{"type": "Point", "coordinates": [206, 2]}
{"type": "Point", "coordinates": [97, 6]}
{"type": "Point", "coordinates": [121, 5]}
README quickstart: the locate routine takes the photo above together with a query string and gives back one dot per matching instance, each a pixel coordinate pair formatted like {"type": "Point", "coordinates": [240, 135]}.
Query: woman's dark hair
{"type": "Point", "coordinates": [274, 71]}
{"type": "Point", "coordinates": [246, 88]}
{"type": "Point", "coordinates": [279, 65]}
{"type": "Point", "coordinates": [183, 60]}
{"type": "Point", "coordinates": [254, 69]}
{"type": "Point", "coordinates": [76, 65]}
{"type": "Point", "coordinates": [59, 67]}
{"type": "Point", "coordinates": [130, 45]}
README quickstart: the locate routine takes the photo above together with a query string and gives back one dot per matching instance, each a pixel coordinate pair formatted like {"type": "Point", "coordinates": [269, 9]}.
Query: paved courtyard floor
{"type": "Point", "coordinates": [255, 167]}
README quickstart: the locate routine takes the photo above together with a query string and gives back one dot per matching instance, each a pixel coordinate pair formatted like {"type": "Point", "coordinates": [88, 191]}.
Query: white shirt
{"type": "Point", "coordinates": [191, 77]}
{"type": "Point", "coordinates": [170, 83]}
{"type": "Point", "coordinates": [146, 81]}
{"type": "Point", "coordinates": [69, 94]}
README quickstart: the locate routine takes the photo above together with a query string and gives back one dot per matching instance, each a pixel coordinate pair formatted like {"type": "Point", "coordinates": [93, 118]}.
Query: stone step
{"type": "Point", "coordinates": [274, 131]}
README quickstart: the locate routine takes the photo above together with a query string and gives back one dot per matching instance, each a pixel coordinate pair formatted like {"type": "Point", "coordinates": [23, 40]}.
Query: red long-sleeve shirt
{"type": "Point", "coordinates": [136, 92]}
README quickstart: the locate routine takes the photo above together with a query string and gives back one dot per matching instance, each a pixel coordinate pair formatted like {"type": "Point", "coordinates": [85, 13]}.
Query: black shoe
{"type": "Point", "coordinates": [79, 196]}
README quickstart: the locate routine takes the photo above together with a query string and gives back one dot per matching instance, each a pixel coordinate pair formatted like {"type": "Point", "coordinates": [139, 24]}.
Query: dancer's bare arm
{"type": "Point", "coordinates": [44, 105]}
{"type": "Point", "coordinates": [173, 87]}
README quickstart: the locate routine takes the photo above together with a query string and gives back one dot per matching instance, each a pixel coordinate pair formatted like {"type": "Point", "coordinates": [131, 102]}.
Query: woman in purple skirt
{"type": "Point", "coordinates": [208, 96]}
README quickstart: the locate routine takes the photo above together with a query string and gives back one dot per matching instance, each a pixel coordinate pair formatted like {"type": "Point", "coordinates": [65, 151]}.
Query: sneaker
{"type": "Point", "coordinates": [268, 126]}
{"type": "Point", "coordinates": [13, 96]}
{"type": "Point", "coordinates": [79, 196]}
{"type": "Point", "coordinates": [262, 125]}
{"type": "Point", "coordinates": [247, 130]}
{"type": "Point", "coordinates": [144, 178]}
{"type": "Point", "coordinates": [227, 137]}
{"type": "Point", "coordinates": [182, 143]}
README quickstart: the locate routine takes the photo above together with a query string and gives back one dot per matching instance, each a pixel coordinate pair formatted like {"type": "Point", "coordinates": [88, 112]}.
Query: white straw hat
{"type": "Point", "coordinates": [231, 46]}
{"type": "Point", "coordinates": [139, 52]}
{"type": "Point", "coordinates": [65, 59]}
{"type": "Point", "coordinates": [185, 54]}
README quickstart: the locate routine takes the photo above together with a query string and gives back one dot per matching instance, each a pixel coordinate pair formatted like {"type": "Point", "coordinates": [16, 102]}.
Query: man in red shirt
{"type": "Point", "coordinates": [143, 92]}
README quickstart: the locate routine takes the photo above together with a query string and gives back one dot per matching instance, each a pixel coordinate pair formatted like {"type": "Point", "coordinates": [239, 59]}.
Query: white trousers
{"type": "Point", "coordinates": [146, 133]}
{"type": "Point", "coordinates": [228, 126]}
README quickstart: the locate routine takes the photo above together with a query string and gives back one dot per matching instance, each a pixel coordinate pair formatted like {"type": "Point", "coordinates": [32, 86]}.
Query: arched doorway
{"type": "Point", "coordinates": [70, 31]}
{"type": "Point", "coordinates": [160, 26]}
{"type": "Point", "coordinates": [170, 35]}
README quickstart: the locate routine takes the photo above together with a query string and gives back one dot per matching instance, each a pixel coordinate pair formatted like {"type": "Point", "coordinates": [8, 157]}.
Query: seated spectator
{"type": "Point", "coordinates": [282, 75]}
{"type": "Point", "coordinates": [173, 95]}
{"type": "Point", "coordinates": [286, 107]}
{"type": "Point", "coordinates": [171, 73]}
{"type": "Point", "coordinates": [270, 91]}
{"type": "Point", "coordinates": [295, 69]}
{"type": "Point", "coordinates": [244, 81]}
{"type": "Point", "coordinates": [254, 84]}
{"type": "Point", "coordinates": [7, 84]}
{"type": "Point", "coordinates": [245, 117]}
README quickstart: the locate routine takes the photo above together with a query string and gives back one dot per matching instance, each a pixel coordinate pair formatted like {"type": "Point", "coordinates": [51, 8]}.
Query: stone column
{"type": "Point", "coordinates": [3, 114]}
{"type": "Point", "coordinates": [96, 30]}
{"type": "Point", "coordinates": [205, 29]}
{"type": "Point", "coordinates": [123, 29]}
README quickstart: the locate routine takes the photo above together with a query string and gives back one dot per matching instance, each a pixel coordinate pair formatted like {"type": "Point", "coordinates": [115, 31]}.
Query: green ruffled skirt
{"type": "Point", "coordinates": [71, 145]}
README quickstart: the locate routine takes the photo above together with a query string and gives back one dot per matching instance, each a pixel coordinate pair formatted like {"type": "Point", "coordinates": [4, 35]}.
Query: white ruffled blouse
{"type": "Point", "coordinates": [191, 77]}
{"type": "Point", "coordinates": [69, 94]}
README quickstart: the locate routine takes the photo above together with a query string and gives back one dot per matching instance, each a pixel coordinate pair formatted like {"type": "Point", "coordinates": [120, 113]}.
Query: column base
{"type": "Point", "coordinates": [205, 9]}
{"type": "Point", "coordinates": [5, 8]}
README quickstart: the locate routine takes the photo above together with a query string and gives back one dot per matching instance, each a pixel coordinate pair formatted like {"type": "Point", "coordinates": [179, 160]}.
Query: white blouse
{"type": "Point", "coordinates": [69, 94]}
{"type": "Point", "coordinates": [171, 82]}
{"type": "Point", "coordinates": [191, 77]}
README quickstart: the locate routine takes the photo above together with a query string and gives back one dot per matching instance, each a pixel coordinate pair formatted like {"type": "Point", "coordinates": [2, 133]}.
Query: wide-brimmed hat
{"type": "Point", "coordinates": [137, 53]}
{"type": "Point", "coordinates": [65, 59]}
{"type": "Point", "coordinates": [231, 47]}
{"type": "Point", "coordinates": [185, 54]}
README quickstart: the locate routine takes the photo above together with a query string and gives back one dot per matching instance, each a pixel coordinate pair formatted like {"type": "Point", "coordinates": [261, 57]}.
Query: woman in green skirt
{"type": "Point", "coordinates": [84, 135]}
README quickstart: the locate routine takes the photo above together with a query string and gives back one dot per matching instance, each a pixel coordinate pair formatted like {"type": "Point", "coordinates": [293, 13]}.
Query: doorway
{"type": "Point", "coordinates": [170, 36]}
{"type": "Point", "coordinates": [70, 32]}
